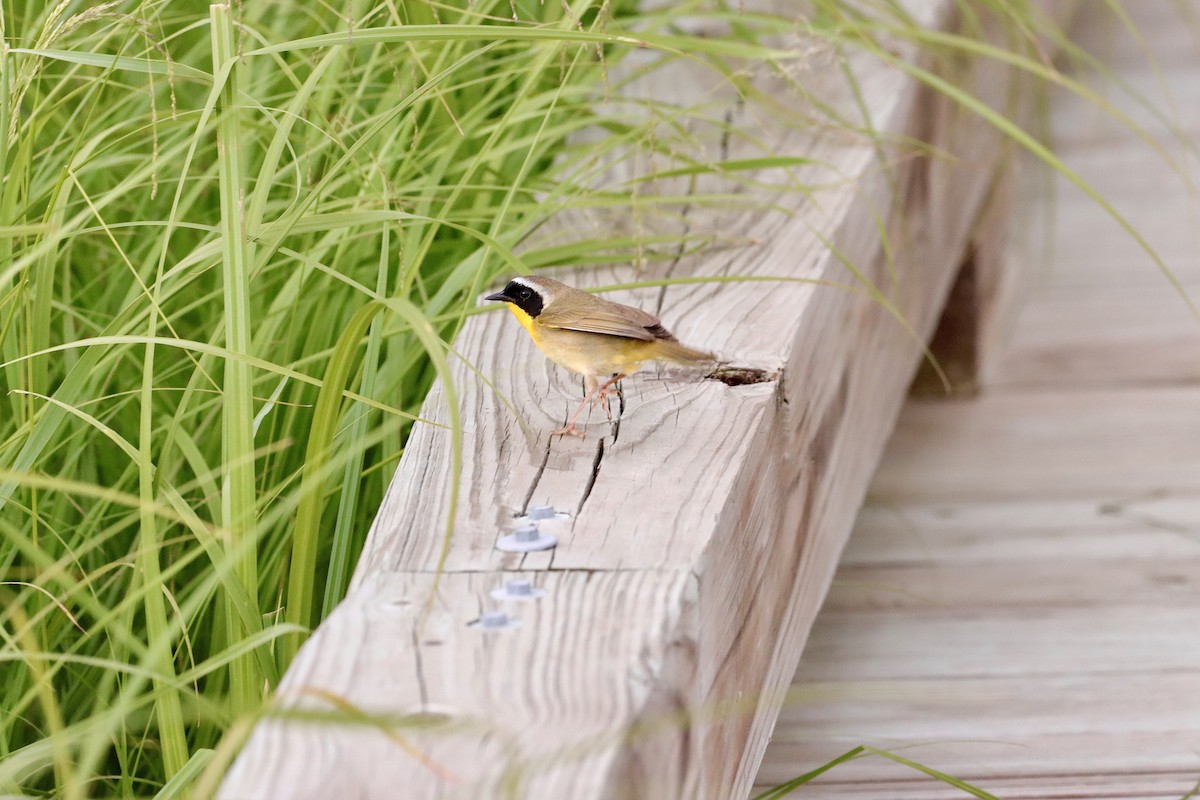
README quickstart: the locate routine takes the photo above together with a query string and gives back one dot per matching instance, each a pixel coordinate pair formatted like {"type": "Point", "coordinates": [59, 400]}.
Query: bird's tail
{"type": "Point", "coordinates": [681, 354]}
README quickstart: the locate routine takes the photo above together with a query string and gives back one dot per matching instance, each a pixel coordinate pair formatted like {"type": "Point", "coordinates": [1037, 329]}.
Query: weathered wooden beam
{"type": "Point", "coordinates": [969, 325]}
{"type": "Point", "coordinates": [704, 525]}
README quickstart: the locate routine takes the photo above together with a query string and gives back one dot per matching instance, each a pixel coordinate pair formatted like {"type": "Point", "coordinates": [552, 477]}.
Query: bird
{"type": "Point", "coordinates": [601, 340]}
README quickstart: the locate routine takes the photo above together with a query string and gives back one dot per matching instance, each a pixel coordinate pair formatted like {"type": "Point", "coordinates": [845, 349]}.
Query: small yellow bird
{"type": "Point", "coordinates": [597, 338]}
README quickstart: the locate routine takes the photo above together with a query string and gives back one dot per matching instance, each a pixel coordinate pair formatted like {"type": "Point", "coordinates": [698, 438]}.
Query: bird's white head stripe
{"type": "Point", "coordinates": [541, 290]}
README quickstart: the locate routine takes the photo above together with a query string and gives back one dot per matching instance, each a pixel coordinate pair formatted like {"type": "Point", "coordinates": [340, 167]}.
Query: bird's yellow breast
{"type": "Point", "coordinates": [594, 354]}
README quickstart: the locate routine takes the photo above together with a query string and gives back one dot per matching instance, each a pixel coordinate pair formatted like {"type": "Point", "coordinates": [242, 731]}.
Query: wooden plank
{"type": "Point", "coordinates": [1084, 702]}
{"type": "Point", "coordinates": [1161, 527]}
{"type": "Point", "coordinates": [969, 637]}
{"type": "Point", "coordinates": [1171, 117]}
{"type": "Point", "coordinates": [1003, 584]}
{"type": "Point", "coordinates": [1101, 336]}
{"type": "Point", "coordinates": [993, 731]}
{"type": "Point", "coordinates": [945, 642]}
{"type": "Point", "coordinates": [704, 525]}
{"type": "Point", "coordinates": [1170, 26]}
{"type": "Point", "coordinates": [1070, 242]}
{"type": "Point", "coordinates": [1040, 446]}
{"type": "Point", "coordinates": [1166, 785]}
{"type": "Point", "coordinates": [1014, 607]}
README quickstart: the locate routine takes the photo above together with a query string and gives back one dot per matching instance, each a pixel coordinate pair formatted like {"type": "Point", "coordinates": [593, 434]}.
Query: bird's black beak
{"type": "Point", "coordinates": [501, 296]}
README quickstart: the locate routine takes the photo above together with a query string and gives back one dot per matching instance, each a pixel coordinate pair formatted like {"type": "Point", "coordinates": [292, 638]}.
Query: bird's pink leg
{"type": "Point", "coordinates": [602, 396]}
{"type": "Point", "coordinates": [569, 428]}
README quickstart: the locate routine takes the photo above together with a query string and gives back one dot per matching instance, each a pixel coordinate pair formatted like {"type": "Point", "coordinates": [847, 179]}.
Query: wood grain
{"type": "Point", "coordinates": [1040, 445]}
{"type": "Point", "coordinates": [705, 524]}
{"type": "Point", "coordinates": [1143, 525]}
{"type": "Point", "coordinates": [1016, 605]}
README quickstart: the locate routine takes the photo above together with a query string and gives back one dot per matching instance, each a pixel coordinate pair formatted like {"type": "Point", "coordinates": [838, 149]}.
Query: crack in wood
{"type": "Point", "coordinates": [616, 423]}
{"type": "Point", "coordinates": [537, 478]}
{"type": "Point", "coordinates": [743, 376]}
{"type": "Point", "coordinates": [687, 209]}
{"type": "Point", "coordinates": [587, 490]}
{"type": "Point", "coordinates": [593, 475]}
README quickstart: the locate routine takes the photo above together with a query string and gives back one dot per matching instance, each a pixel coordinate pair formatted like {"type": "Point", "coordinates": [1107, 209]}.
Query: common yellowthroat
{"type": "Point", "coordinates": [597, 338]}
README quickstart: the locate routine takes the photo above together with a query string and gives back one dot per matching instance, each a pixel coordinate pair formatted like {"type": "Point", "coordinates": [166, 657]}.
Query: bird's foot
{"type": "Point", "coordinates": [568, 430]}
{"type": "Point", "coordinates": [602, 401]}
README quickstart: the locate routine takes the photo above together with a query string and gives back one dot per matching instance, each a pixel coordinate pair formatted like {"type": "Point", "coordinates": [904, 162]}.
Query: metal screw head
{"type": "Point", "coordinates": [496, 621]}
{"type": "Point", "coordinates": [526, 539]}
{"type": "Point", "coordinates": [520, 589]}
{"type": "Point", "coordinates": [541, 512]}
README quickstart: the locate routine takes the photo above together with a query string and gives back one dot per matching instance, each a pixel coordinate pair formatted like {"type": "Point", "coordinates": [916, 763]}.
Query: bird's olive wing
{"type": "Point", "coordinates": [596, 315]}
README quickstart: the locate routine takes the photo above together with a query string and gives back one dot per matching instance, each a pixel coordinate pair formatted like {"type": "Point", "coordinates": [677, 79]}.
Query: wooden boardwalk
{"type": "Point", "coordinates": [1019, 605]}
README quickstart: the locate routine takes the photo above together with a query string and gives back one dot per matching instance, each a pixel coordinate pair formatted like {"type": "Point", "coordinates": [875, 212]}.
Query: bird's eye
{"type": "Point", "coordinates": [525, 294]}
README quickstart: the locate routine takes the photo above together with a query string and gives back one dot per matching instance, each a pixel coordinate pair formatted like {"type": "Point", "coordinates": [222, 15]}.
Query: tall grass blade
{"type": "Point", "coordinates": [238, 499]}
{"type": "Point", "coordinates": [342, 554]}
{"type": "Point", "coordinates": [306, 537]}
{"type": "Point", "coordinates": [147, 66]}
{"type": "Point", "coordinates": [974, 791]}
{"type": "Point", "coordinates": [786, 788]}
{"type": "Point", "coordinates": [177, 788]}
{"type": "Point", "coordinates": [167, 706]}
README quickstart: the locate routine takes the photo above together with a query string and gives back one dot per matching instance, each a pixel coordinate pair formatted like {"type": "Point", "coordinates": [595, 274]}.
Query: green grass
{"type": "Point", "coordinates": [233, 246]}
{"type": "Point", "coordinates": [862, 751]}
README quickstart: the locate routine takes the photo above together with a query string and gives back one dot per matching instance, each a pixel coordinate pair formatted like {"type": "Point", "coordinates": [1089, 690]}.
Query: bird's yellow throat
{"type": "Point", "coordinates": [523, 318]}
